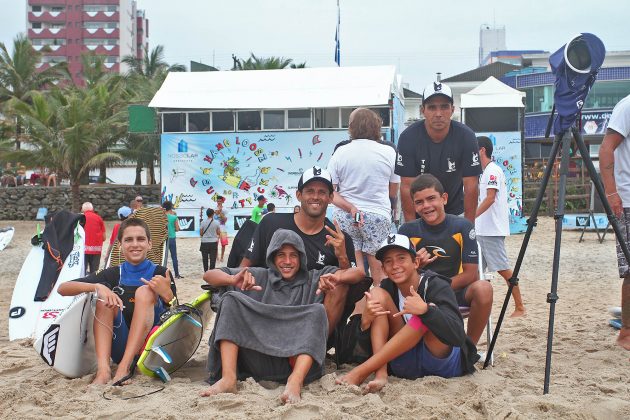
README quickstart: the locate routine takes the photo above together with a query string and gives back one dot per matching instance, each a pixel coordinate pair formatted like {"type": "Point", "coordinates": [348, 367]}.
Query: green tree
{"type": "Point", "coordinates": [265, 63]}
{"type": "Point", "coordinates": [144, 78]}
{"type": "Point", "coordinates": [66, 133]}
{"type": "Point", "coordinates": [19, 76]}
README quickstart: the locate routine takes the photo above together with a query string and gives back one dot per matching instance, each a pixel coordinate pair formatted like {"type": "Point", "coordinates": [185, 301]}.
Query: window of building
{"type": "Point", "coordinates": [327, 118]}
{"type": "Point", "coordinates": [539, 99]}
{"type": "Point", "coordinates": [36, 25]}
{"type": "Point", "coordinates": [174, 122]}
{"type": "Point", "coordinates": [383, 112]}
{"type": "Point", "coordinates": [57, 9]}
{"type": "Point", "coordinates": [222, 121]}
{"type": "Point", "coordinates": [248, 120]}
{"type": "Point", "coordinates": [345, 116]}
{"type": "Point", "coordinates": [198, 121]}
{"type": "Point", "coordinates": [273, 120]}
{"type": "Point", "coordinates": [606, 94]}
{"type": "Point", "coordinates": [299, 119]}
{"type": "Point", "coordinates": [36, 8]}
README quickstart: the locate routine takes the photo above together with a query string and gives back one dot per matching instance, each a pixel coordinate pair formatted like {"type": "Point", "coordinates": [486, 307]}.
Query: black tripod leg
{"type": "Point", "coordinates": [531, 222]}
{"type": "Point", "coordinates": [600, 191]}
{"type": "Point", "coordinates": [552, 297]}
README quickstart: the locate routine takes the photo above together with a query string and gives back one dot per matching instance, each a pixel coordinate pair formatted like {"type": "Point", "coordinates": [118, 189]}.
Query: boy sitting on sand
{"type": "Point", "coordinates": [270, 323]}
{"type": "Point", "coordinates": [128, 305]}
{"type": "Point", "coordinates": [414, 323]}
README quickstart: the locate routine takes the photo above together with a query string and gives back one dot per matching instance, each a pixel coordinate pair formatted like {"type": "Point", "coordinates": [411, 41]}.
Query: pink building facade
{"type": "Point", "coordinates": [62, 30]}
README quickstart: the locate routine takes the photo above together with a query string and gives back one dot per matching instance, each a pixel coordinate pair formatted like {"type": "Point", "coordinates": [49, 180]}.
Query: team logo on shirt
{"type": "Point", "coordinates": [320, 258]}
{"type": "Point", "coordinates": [437, 251]}
{"type": "Point", "coordinates": [472, 235]}
{"type": "Point", "coordinates": [475, 159]}
{"type": "Point", "coordinates": [493, 180]}
{"type": "Point", "coordinates": [422, 166]}
{"type": "Point", "coordinates": [251, 247]}
{"type": "Point", "coordinates": [399, 161]}
{"type": "Point", "coordinates": [451, 165]}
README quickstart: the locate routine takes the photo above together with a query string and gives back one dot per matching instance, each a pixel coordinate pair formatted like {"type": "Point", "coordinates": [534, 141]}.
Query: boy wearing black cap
{"type": "Point", "coordinates": [414, 322]}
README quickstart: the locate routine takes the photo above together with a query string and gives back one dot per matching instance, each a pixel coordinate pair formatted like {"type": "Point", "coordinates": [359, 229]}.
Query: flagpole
{"type": "Point", "coordinates": [338, 37]}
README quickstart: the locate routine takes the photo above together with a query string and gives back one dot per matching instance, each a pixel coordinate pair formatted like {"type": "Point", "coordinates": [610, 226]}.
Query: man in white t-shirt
{"type": "Point", "coordinates": [492, 221]}
{"type": "Point", "coordinates": [614, 164]}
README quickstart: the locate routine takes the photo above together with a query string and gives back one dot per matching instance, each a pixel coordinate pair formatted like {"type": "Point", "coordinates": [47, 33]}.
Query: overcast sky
{"type": "Point", "coordinates": [419, 37]}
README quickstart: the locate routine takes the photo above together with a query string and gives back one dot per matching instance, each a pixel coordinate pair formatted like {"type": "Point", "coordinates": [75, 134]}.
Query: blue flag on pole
{"type": "Point", "coordinates": [337, 38]}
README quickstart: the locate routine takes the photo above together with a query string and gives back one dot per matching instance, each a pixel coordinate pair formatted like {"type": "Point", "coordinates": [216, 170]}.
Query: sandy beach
{"type": "Point", "coordinates": [590, 374]}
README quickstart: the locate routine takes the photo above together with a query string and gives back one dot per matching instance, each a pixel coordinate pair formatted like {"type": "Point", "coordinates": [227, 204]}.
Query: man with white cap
{"type": "Point", "coordinates": [444, 148]}
{"type": "Point", "coordinates": [325, 243]}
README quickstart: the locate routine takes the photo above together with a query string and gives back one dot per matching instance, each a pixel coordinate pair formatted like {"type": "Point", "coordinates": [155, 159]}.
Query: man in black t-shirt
{"type": "Point", "coordinates": [325, 242]}
{"type": "Point", "coordinates": [446, 149]}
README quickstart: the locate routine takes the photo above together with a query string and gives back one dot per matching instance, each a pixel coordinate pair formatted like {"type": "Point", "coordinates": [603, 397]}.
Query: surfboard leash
{"type": "Point", "coordinates": [155, 391]}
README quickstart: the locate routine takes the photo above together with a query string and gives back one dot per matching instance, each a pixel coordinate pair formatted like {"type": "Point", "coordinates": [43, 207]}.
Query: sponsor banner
{"type": "Point", "coordinates": [584, 220]}
{"type": "Point", "coordinates": [197, 168]}
{"type": "Point", "coordinates": [507, 154]}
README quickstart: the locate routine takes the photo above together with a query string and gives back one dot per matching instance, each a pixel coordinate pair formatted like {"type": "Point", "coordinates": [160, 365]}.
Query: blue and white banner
{"type": "Point", "coordinates": [508, 155]}
{"type": "Point", "coordinates": [197, 168]}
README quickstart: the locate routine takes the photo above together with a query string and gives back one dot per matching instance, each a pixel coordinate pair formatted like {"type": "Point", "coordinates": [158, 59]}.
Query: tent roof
{"type": "Point", "coordinates": [278, 89]}
{"type": "Point", "coordinates": [493, 93]}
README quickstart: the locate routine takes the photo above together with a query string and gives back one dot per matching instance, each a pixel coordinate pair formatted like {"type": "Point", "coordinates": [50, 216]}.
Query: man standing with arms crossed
{"type": "Point", "coordinates": [614, 164]}
{"type": "Point", "coordinates": [441, 147]}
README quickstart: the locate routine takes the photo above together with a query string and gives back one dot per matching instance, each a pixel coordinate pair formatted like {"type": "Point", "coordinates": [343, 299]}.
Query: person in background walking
{"type": "Point", "coordinates": [221, 216]}
{"type": "Point", "coordinates": [210, 232]}
{"type": "Point", "coordinates": [94, 237]}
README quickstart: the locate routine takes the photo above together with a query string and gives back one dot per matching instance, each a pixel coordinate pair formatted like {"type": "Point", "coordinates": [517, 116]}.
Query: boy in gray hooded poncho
{"type": "Point", "coordinates": [270, 324]}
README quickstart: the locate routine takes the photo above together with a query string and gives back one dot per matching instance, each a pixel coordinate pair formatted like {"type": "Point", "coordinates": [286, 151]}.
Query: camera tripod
{"type": "Point", "coordinates": [562, 143]}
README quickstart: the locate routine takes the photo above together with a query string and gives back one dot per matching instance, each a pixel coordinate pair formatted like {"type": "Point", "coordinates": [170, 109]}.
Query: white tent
{"type": "Point", "coordinates": [279, 89]}
{"type": "Point", "coordinates": [493, 93]}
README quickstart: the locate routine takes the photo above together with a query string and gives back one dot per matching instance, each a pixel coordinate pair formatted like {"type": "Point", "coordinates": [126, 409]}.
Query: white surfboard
{"type": "Point", "coordinates": [28, 318]}
{"type": "Point", "coordinates": [6, 234]}
{"type": "Point", "coordinates": [24, 311]}
{"type": "Point", "coordinates": [67, 345]}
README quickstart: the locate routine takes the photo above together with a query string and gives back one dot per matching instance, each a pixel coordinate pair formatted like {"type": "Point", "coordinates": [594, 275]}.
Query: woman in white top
{"type": "Point", "coordinates": [366, 186]}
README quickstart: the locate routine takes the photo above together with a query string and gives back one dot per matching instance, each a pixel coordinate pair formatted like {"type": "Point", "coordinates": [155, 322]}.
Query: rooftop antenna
{"type": "Point", "coordinates": [438, 77]}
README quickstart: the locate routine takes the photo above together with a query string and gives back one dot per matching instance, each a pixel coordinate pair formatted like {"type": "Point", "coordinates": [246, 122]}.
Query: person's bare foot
{"type": "Point", "coordinates": [624, 338]}
{"type": "Point", "coordinates": [102, 377]}
{"type": "Point", "coordinates": [351, 378]}
{"type": "Point", "coordinates": [518, 312]}
{"type": "Point", "coordinates": [222, 386]}
{"type": "Point", "coordinates": [121, 372]}
{"type": "Point", "coordinates": [292, 392]}
{"type": "Point", "coordinates": [375, 385]}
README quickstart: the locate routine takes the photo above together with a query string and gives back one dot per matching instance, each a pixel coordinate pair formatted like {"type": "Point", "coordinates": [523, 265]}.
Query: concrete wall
{"type": "Point", "coordinates": [22, 203]}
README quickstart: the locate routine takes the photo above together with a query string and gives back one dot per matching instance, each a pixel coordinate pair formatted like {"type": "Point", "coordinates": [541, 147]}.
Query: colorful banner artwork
{"type": "Point", "coordinates": [508, 155]}
{"type": "Point", "coordinates": [197, 168]}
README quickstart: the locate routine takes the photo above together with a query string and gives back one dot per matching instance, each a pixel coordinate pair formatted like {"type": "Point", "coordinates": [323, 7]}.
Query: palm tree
{"type": "Point", "coordinates": [19, 76]}
{"type": "Point", "coordinates": [262, 63]}
{"type": "Point", "coordinates": [67, 132]}
{"type": "Point", "coordinates": [145, 76]}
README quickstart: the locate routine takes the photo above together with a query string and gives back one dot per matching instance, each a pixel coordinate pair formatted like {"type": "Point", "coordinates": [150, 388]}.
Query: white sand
{"type": "Point", "coordinates": [590, 375]}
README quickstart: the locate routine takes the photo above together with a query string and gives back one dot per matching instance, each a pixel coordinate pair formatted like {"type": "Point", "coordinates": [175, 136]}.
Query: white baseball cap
{"type": "Point", "coordinates": [436, 88]}
{"type": "Point", "coordinates": [395, 241]}
{"type": "Point", "coordinates": [315, 174]}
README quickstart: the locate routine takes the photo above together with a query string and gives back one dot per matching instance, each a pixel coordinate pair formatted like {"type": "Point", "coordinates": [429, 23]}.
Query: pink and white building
{"type": "Point", "coordinates": [64, 29]}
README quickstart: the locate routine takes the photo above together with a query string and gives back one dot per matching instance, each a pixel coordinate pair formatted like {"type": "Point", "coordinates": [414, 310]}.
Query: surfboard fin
{"type": "Point", "coordinates": [193, 321]}
{"type": "Point", "coordinates": [163, 374]}
{"type": "Point", "coordinates": [163, 354]}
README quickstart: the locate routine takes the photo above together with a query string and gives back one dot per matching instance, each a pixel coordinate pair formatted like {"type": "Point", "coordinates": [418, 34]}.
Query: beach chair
{"type": "Point", "coordinates": [157, 221]}
{"type": "Point", "coordinates": [465, 310]}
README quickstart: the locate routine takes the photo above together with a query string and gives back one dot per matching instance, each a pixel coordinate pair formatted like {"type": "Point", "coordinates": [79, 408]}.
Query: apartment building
{"type": "Point", "coordinates": [64, 29]}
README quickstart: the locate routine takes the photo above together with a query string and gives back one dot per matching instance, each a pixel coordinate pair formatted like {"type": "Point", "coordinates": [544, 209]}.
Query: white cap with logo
{"type": "Point", "coordinates": [396, 241]}
{"type": "Point", "coordinates": [436, 88]}
{"type": "Point", "coordinates": [315, 174]}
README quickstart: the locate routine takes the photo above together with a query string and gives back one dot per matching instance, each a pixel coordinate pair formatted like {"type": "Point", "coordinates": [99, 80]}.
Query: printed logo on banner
{"type": "Point", "coordinates": [583, 221]}
{"type": "Point", "coordinates": [186, 223]}
{"type": "Point", "coordinates": [239, 221]}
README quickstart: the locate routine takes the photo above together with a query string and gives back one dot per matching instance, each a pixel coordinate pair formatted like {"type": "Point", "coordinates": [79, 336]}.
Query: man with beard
{"type": "Point", "coordinates": [325, 243]}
